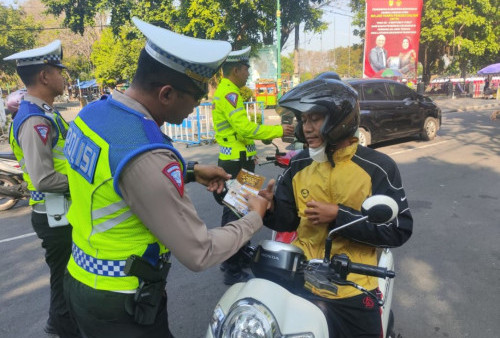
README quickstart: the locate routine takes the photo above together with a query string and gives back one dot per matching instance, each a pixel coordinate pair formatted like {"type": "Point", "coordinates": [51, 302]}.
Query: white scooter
{"type": "Point", "coordinates": [264, 308]}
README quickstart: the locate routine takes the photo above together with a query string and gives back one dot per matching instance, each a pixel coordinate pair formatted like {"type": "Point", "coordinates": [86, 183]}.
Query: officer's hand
{"type": "Point", "coordinates": [268, 194]}
{"type": "Point", "coordinates": [212, 176]}
{"type": "Point", "coordinates": [321, 212]}
{"type": "Point", "coordinates": [257, 203]}
{"type": "Point", "coordinates": [288, 129]}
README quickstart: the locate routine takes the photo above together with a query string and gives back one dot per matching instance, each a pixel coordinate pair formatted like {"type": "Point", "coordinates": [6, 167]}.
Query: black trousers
{"type": "Point", "coordinates": [102, 313]}
{"type": "Point", "coordinates": [57, 245]}
{"type": "Point", "coordinates": [354, 317]}
{"type": "Point", "coordinates": [233, 168]}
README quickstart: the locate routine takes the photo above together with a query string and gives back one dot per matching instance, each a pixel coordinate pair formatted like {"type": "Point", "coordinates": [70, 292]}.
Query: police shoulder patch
{"type": "Point", "coordinates": [43, 131]}
{"type": "Point", "coordinates": [232, 98]}
{"type": "Point", "coordinates": [174, 174]}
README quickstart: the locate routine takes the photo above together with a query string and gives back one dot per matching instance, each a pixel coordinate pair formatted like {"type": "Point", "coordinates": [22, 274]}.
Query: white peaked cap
{"type": "Point", "coordinates": [199, 59]}
{"type": "Point", "coordinates": [50, 54]}
{"type": "Point", "coordinates": [242, 55]}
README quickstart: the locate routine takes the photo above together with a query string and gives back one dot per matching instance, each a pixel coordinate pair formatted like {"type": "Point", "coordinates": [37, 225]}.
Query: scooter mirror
{"type": "Point", "coordinates": [379, 209]}
{"type": "Point", "coordinates": [376, 209]}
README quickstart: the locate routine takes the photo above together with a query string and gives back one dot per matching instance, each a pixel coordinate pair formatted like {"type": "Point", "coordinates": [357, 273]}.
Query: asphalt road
{"type": "Point", "coordinates": [447, 273]}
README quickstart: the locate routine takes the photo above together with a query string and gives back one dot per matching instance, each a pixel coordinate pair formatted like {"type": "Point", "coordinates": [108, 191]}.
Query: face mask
{"type": "Point", "coordinates": [318, 154]}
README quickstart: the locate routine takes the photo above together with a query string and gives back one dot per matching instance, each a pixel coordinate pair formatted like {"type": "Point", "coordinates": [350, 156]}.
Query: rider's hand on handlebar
{"type": "Point", "coordinates": [257, 203]}
{"type": "Point", "coordinates": [211, 176]}
{"type": "Point", "coordinates": [268, 194]}
{"type": "Point", "coordinates": [321, 212]}
{"type": "Point", "coordinates": [288, 129]}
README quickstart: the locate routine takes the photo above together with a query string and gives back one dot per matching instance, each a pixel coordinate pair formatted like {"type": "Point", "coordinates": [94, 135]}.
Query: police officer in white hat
{"type": "Point", "coordinates": [130, 209]}
{"type": "Point", "coordinates": [37, 139]}
{"type": "Point", "coordinates": [235, 134]}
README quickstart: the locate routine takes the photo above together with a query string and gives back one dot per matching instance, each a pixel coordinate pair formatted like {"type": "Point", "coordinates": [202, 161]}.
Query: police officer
{"type": "Point", "coordinates": [37, 139]}
{"type": "Point", "coordinates": [129, 208]}
{"type": "Point", "coordinates": [235, 134]}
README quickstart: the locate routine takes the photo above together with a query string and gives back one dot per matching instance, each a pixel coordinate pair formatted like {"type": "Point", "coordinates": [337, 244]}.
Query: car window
{"type": "Point", "coordinates": [356, 88]}
{"type": "Point", "coordinates": [400, 92]}
{"type": "Point", "coordinates": [375, 92]}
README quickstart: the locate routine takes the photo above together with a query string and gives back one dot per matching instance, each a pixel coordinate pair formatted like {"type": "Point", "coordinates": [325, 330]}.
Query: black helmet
{"type": "Point", "coordinates": [328, 75]}
{"type": "Point", "coordinates": [335, 99]}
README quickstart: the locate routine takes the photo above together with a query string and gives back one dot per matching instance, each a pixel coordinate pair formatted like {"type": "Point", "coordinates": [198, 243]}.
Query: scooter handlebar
{"type": "Point", "coordinates": [370, 270]}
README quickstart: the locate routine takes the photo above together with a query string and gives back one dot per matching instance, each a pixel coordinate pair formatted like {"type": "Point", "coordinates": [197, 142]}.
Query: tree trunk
{"type": "Point", "coordinates": [426, 68]}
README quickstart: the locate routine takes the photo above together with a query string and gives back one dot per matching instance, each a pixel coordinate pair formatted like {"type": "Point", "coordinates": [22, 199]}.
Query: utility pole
{"type": "Point", "coordinates": [334, 47]}
{"type": "Point", "coordinates": [349, 50]}
{"type": "Point", "coordinates": [296, 55]}
{"type": "Point", "coordinates": [278, 46]}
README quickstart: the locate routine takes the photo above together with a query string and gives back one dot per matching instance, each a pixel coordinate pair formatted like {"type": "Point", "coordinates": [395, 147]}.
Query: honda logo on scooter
{"type": "Point", "coordinates": [276, 258]}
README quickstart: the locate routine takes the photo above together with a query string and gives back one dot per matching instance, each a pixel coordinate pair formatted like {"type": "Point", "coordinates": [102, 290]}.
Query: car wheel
{"type": "Point", "coordinates": [364, 137]}
{"type": "Point", "coordinates": [430, 129]}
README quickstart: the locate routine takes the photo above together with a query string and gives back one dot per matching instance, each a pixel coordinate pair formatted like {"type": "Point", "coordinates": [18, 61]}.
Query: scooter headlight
{"type": "Point", "coordinates": [247, 318]}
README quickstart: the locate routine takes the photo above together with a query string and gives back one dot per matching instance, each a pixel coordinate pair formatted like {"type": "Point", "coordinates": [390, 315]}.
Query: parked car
{"type": "Point", "coordinates": [391, 110]}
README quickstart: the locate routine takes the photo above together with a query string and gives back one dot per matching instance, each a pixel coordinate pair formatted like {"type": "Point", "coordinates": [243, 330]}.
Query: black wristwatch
{"type": "Point", "coordinates": [190, 172]}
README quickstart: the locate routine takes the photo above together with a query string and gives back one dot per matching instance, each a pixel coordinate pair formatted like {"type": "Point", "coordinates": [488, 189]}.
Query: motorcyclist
{"type": "Point", "coordinates": [327, 111]}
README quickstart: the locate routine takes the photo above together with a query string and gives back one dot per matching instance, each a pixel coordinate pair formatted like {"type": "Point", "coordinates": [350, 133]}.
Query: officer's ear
{"type": "Point", "coordinates": [43, 75]}
{"type": "Point", "coordinates": [165, 94]}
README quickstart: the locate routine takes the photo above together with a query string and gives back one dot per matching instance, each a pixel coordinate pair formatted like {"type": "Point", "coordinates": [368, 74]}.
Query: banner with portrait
{"type": "Point", "coordinates": [392, 38]}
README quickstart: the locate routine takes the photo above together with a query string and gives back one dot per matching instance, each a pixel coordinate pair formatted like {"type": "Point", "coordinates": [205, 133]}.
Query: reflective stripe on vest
{"type": "Point", "coordinates": [37, 196]}
{"type": "Point", "coordinates": [101, 267]}
{"type": "Point", "coordinates": [98, 214]}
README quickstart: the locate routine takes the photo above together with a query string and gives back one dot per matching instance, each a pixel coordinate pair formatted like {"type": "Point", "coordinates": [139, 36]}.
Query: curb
{"type": "Point", "coordinates": [468, 108]}
{"type": "Point", "coordinates": [484, 106]}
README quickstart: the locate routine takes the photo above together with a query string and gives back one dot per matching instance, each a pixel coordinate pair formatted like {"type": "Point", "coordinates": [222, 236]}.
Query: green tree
{"type": "Point", "coordinates": [78, 67]}
{"type": "Point", "coordinates": [286, 65]}
{"type": "Point", "coordinates": [115, 57]}
{"type": "Point", "coordinates": [77, 48]}
{"type": "Point", "coordinates": [242, 22]}
{"type": "Point", "coordinates": [306, 76]}
{"type": "Point", "coordinates": [466, 31]}
{"type": "Point", "coordinates": [17, 32]}
{"type": "Point", "coordinates": [358, 20]}
{"type": "Point", "coordinates": [348, 61]}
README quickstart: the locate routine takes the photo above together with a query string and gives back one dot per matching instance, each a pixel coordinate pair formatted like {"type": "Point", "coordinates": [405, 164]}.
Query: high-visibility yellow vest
{"type": "Point", "coordinates": [234, 132]}
{"type": "Point", "coordinates": [27, 110]}
{"type": "Point", "coordinates": [104, 137]}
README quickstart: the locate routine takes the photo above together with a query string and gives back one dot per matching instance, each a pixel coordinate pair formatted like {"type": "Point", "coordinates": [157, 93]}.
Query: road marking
{"type": "Point", "coordinates": [17, 237]}
{"type": "Point", "coordinates": [416, 148]}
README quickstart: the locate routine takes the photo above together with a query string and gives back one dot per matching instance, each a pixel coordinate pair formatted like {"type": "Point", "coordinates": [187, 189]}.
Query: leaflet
{"type": "Point", "coordinates": [245, 183]}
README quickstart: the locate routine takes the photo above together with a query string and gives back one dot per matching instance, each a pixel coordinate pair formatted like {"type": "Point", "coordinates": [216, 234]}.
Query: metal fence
{"type": "Point", "coordinates": [197, 128]}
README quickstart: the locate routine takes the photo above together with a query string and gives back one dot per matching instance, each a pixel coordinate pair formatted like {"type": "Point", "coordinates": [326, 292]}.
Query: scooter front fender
{"type": "Point", "coordinates": [293, 314]}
